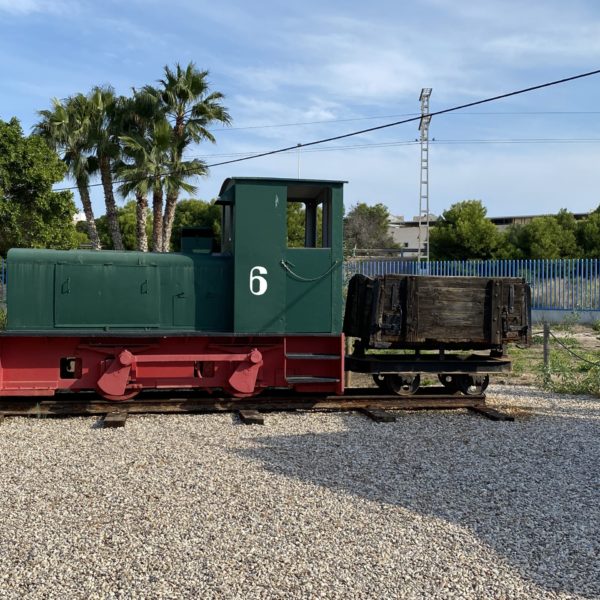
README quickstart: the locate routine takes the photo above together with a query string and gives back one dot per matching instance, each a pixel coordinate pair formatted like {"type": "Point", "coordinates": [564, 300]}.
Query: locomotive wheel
{"type": "Point", "coordinates": [473, 385]}
{"type": "Point", "coordinates": [128, 395]}
{"type": "Point", "coordinates": [450, 381]}
{"type": "Point", "coordinates": [233, 393]}
{"type": "Point", "coordinates": [402, 385]}
{"type": "Point", "coordinates": [380, 381]}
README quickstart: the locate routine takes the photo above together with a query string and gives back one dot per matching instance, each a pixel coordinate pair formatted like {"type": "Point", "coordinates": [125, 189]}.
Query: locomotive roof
{"type": "Point", "coordinates": [91, 257]}
{"type": "Point", "coordinates": [284, 180]}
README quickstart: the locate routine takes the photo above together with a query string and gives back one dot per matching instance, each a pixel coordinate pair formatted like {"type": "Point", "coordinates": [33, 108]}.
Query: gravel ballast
{"type": "Point", "coordinates": [311, 505]}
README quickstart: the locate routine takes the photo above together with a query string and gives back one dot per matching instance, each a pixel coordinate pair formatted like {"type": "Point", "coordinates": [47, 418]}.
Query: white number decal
{"type": "Point", "coordinates": [257, 281]}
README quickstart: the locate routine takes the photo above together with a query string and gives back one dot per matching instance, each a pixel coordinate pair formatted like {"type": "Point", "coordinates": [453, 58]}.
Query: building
{"type": "Point", "coordinates": [406, 233]}
{"type": "Point", "coordinates": [78, 217]}
{"type": "Point", "coordinates": [503, 223]}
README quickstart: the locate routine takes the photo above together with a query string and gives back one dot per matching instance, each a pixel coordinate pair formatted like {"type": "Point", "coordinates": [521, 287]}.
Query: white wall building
{"type": "Point", "coordinates": [406, 233]}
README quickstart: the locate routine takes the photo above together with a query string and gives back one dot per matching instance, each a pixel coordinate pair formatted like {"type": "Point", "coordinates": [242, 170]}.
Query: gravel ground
{"type": "Point", "coordinates": [436, 505]}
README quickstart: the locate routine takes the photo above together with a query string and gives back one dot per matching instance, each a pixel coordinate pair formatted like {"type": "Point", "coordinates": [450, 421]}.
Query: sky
{"type": "Point", "coordinates": [298, 72]}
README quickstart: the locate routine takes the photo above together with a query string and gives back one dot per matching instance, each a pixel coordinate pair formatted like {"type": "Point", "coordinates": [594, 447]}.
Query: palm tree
{"type": "Point", "coordinates": [137, 115]}
{"type": "Point", "coordinates": [104, 140]}
{"type": "Point", "coordinates": [143, 168]}
{"type": "Point", "coordinates": [134, 180]}
{"type": "Point", "coordinates": [178, 171]}
{"type": "Point", "coordinates": [147, 166]}
{"type": "Point", "coordinates": [65, 127]}
{"type": "Point", "coordinates": [190, 108]}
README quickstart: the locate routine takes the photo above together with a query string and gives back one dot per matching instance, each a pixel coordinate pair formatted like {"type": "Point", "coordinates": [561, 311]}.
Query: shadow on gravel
{"type": "Point", "coordinates": [527, 489]}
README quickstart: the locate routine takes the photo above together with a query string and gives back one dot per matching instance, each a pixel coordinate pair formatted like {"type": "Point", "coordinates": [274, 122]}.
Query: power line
{"type": "Point", "coordinates": [412, 119]}
{"type": "Point", "coordinates": [523, 141]}
{"type": "Point", "coordinates": [531, 112]}
{"type": "Point", "coordinates": [394, 116]}
{"type": "Point", "coordinates": [273, 126]}
{"type": "Point", "coordinates": [386, 125]}
{"type": "Point", "coordinates": [325, 149]}
{"type": "Point", "coordinates": [416, 142]}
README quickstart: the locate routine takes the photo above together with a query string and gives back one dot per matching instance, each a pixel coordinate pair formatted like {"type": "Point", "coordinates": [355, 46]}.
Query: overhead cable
{"type": "Point", "coordinates": [225, 129]}
{"type": "Point", "coordinates": [410, 119]}
{"type": "Point", "coordinates": [380, 127]}
{"type": "Point", "coordinates": [435, 142]}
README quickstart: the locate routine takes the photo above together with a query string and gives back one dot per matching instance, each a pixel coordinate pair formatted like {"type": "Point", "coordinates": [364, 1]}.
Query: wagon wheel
{"type": "Point", "coordinates": [402, 385]}
{"type": "Point", "coordinates": [473, 385]}
{"type": "Point", "coordinates": [450, 381]}
{"type": "Point", "coordinates": [380, 381]}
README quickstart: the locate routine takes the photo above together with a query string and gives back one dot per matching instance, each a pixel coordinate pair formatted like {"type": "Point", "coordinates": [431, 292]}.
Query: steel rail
{"type": "Point", "coordinates": [170, 403]}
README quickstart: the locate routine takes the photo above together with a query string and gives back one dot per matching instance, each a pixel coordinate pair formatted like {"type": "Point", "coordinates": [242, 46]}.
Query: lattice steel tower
{"type": "Point", "coordinates": [423, 238]}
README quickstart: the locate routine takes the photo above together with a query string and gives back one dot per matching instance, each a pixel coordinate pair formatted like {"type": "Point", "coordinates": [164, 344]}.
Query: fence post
{"type": "Point", "coordinates": [546, 353]}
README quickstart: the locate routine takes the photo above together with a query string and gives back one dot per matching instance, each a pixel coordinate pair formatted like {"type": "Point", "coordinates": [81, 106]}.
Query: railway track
{"type": "Point", "coordinates": [251, 410]}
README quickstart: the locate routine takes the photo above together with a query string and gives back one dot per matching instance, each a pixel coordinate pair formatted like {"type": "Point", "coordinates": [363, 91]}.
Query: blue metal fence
{"type": "Point", "coordinates": [562, 284]}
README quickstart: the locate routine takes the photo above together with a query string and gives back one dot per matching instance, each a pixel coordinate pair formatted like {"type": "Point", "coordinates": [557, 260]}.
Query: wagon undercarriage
{"type": "Point", "coordinates": [402, 373]}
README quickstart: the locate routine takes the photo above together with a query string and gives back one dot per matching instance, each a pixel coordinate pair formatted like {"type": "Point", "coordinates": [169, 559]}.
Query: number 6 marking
{"type": "Point", "coordinates": [256, 279]}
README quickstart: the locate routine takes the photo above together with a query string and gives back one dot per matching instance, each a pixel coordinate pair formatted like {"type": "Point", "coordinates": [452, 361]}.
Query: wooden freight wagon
{"type": "Point", "coordinates": [408, 312]}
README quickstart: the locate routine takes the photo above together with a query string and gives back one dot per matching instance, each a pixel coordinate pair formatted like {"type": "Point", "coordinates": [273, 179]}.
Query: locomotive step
{"type": "Point", "coordinates": [310, 356]}
{"type": "Point", "coordinates": [307, 379]}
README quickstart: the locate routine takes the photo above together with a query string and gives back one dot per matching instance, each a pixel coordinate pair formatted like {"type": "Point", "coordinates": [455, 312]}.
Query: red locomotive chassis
{"type": "Point", "coordinates": [118, 368]}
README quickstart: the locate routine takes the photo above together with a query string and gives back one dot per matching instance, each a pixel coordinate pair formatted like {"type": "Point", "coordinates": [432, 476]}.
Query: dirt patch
{"type": "Point", "coordinates": [586, 338]}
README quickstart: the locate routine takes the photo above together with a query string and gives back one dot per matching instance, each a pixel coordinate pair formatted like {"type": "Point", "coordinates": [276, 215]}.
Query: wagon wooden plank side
{"type": "Point", "coordinates": [423, 312]}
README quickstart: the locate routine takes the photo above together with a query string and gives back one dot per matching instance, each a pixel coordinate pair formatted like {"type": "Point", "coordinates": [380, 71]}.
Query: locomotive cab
{"type": "Point", "coordinates": [286, 239]}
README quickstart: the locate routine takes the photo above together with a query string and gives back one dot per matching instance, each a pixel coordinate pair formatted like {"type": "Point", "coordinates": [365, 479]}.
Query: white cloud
{"type": "Point", "coordinates": [558, 44]}
{"type": "Point", "coordinates": [339, 59]}
{"type": "Point", "coordinates": [517, 181]}
{"type": "Point", "coordinates": [508, 180]}
{"type": "Point", "coordinates": [269, 115]}
{"type": "Point", "coordinates": [462, 49]}
{"type": "Point", "coordinates": [26, 7]}
{"type": "Point", "coordinates": [534, 33]}
{"type": "Point", "coordinates": [287, 63]}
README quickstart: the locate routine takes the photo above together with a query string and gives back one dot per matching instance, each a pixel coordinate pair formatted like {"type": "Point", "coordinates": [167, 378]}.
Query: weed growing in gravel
{"type": "Point", "coordinates": [2, 318]}
{"type": "Point", "coordinates": [568, 322]}
{"type": "Point", "coordinates": [519, 358]}
{"type": "Point", "coordinates": [576, 372]}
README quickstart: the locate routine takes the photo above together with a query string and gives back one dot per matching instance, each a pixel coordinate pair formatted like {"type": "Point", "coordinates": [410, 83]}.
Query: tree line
{"type": "Point", "coordinates": [464, 232]}
{"type": "Point", "coordinates": [31, 214]}
{"type": "Point", "coordinates": [137, 143]}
